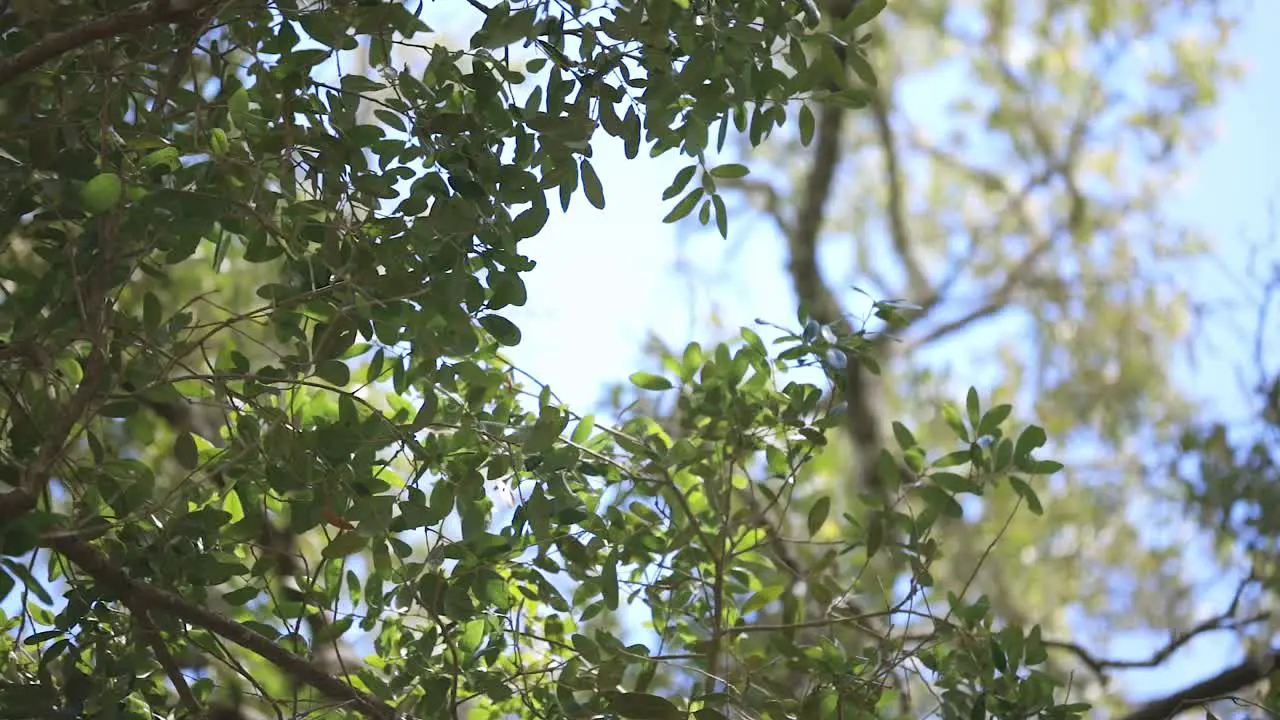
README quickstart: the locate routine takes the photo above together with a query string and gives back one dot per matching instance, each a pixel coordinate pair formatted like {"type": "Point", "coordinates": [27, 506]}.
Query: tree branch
{"type": "Point", "coordinates": [817, 297]}
{"type": "Point", "coordinates": [918, 286]}
{"type": "Point", "coordinates": [1099, 666]}
{"type": "Point", "coordinates": [14, 504]}
{"type": "Point", "coordinates": [152, 599]}
{"type": "Point", "coordinates": [772, 198]}
{"type": "Point", "coordinates": [131, 20]}
{"type": "Point", "coordinates": [1224, 684]}
{"type": "Point", "coordinates": [152, 635]}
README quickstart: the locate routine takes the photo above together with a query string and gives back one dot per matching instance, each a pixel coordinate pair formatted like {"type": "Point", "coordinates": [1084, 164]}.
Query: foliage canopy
{"type": "Point", "coordinates": [260, 434]}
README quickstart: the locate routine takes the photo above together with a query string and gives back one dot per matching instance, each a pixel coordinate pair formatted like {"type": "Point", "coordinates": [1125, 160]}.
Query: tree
{"type": "Point", "coordinates": [256, 409]}
{"type": "Point", "coordinates": [1005, 178]}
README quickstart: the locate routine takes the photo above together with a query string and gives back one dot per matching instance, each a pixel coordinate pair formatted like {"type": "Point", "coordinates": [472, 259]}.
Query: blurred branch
{"type": "Point", "coordinates": [14, 504]}
{"type": "Point", "coordinates": [918, 286]}
{"type": "Point", "coordinates": [1017, 276]}
{"type": "Point", "coordinates": [998, 300]}
{"type": "Point", "coordinates": [817, 297]}
{"type": "Point", "coordinates": [772, 198]}
{"type": "Point", "coordinates": [802, 241]}
{"type": "Point", "coordinates": [1100, 666]}
{"type": "Point", "coordinates": [1224, 684]}
{"type": "Point", "coordinates": [131, 20]}
{"type": "Point", "coordinates": [1054, 164]}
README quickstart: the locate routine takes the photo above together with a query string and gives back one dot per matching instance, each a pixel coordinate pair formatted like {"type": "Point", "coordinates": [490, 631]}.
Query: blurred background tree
{"type": "Point", "coordinates": [1008, 181]}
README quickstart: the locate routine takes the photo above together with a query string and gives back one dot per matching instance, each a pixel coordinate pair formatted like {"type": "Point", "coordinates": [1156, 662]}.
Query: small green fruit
{"type": "Point", "coordinates": [218, 142]}
{"type": "Point", "coordinates": [102, 193]}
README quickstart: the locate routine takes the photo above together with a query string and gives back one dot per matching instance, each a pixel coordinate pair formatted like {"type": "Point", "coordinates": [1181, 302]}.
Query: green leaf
{"type": "Point", "coordinates": [952, 459]}
{"type": "Point", "coordinates": [887, 470]}
{"type": "Point", "coordinates": [1034, 652]}
{"type": "Point", "coordinates": [334, 372]}
{"type": "Point", "coordinates": [1003, 455]}
{"type": "Point", "coordinates": [29, 581]}
{"type": "Point", "coordinates": [998, 659]}
{"type": "Point", "coordinates": [690, 360]}
{"type": "Point", "coordinates": [874, 533]}
{"type": "Point", "coordinates": [426, 411]}
{"type": "Point", "coordinates": [582, 432]}
{"type": "Point", "coordinates": [152, 313]}
{"type": "Point", "coordinates": [238, 104]}
{"type": "Point", "coordinates": [168, 157]}
{"type": "Point", "coordinates": [807, 125]}
{"type": "Point", "coordinates": [360, 84]}
{"type": "Point", "coordinates": [679, 182]}
{"type": "Point", "coordinates": [730, 170]}
{"type": "Point", "coordinates": [763, 598]}
{"type": "Point", "coordinates": [953, 482]}
{"type": "Point", "coordinates": [347, 543]}
{"type": "Point", "coordinates": [241, 596]}
{"type": "Point", "coordinates": [232, 506]}
{"type": "Point", "coordinates": [375, 368]}
{"type": "Point", "coordinates": [863, 12]}
{"type": "Point", "coordinates": [502, 329]}
{"type": "Point", "coordinates": [685, 206]}
{"type": "Point", "coordinates": [972, 405]}
{"type": "Point", "coordinates": [818, 514]}
{"type": "Point", "coordinates": [952, 417]}
{"type": "Point", "coordinates": [1045, 467]}
{"type": "Point", "coordinates": [585, 646]}
{"type": "Point", "coordinates": [856, 60]}
{"type": "Point", "coordinates": [219, 144]}
{"type": "Point", "coordinates": [7, 584]}
{"type": "Point", "coordinates": [1031, 438]}
{"type": "Point", "coordinates": [649, 381]}
{"type": "Point", "coordinates": [643, 706]}
{"type": "Point", "coordinates": [991, 421]}
{"type": "Point", "coordinates": [372, 513]}
{"type": "Point", "coordinates": [530, 222]}
{"type": "Point", "coordinates": [940, 501]}
{"type": "Point", "coordinates": [609, 583]}
{"type": "Point", "coordinates": [442, 500]}
{"type": "Point", "coordinates": [1028, 495]}
{"type": "Point", "coordinates": [508, 289]}
{"type": "Point", "coordinates": [185, 452]}
{"type": "Point", "coordinates": [262, 629]}
{"type": "Point", "coordinates": [905, 439]}
{"type": "Point", "coordinates": [591, 186]}
{"type": "Point", "coordinates": [854, 98]}
{"type": "Point", "coordinates": [721, 214]}
{"type": "Point", "coordinates": [631, 133]}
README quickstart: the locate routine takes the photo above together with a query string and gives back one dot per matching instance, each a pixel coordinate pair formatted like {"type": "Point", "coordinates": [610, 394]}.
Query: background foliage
{"type": "Point", "coordinates": [1013, 177]}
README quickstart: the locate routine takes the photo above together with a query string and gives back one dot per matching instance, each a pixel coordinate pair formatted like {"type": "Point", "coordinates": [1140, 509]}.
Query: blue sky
{"type": "Point", "coordinates": [606, 278]}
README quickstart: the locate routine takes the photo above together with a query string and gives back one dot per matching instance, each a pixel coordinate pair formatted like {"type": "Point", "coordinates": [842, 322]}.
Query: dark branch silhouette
{"type": "Point", "coordinates": [1225, 684]}
{"type": "Point", "coordinates": [134, 19]}
{"type": "Point", "coordinates": [140, 595]}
